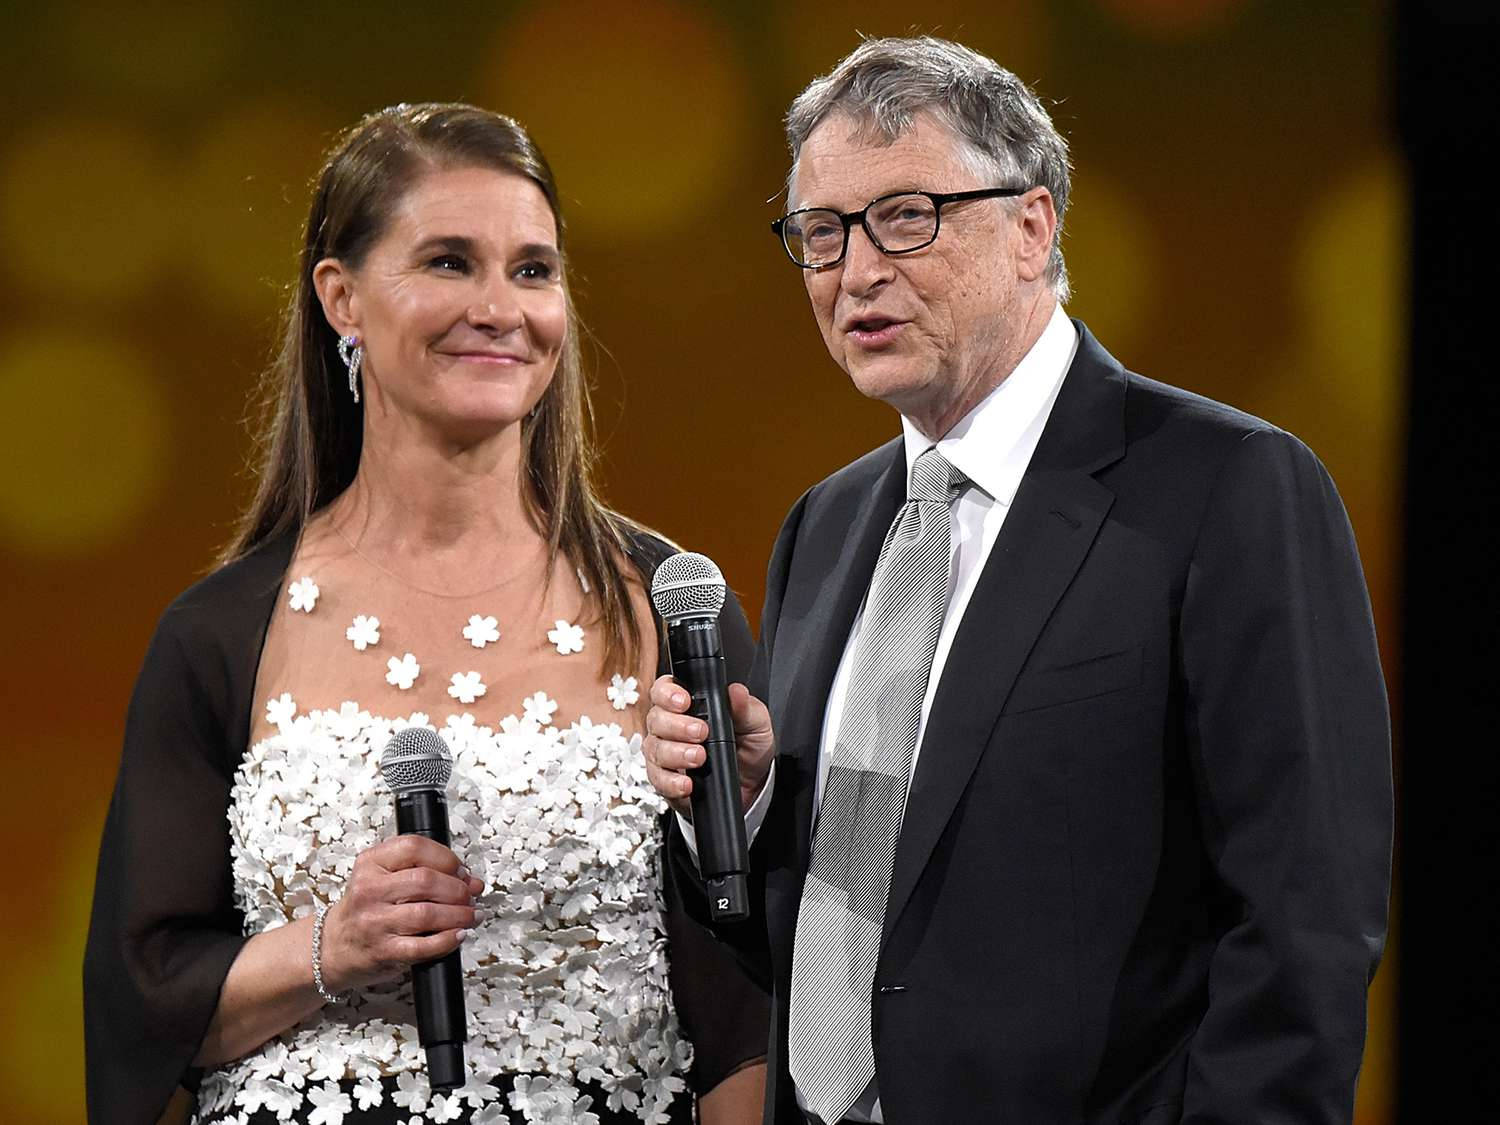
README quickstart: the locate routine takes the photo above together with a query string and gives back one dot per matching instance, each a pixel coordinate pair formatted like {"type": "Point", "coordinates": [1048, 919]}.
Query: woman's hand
{"type": "Point", "coordinates": [408, 899]}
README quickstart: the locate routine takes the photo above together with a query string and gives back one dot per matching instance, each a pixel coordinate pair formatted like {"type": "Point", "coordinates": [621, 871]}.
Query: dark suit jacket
{"type": "Point", "coordinates": [1143, 872]}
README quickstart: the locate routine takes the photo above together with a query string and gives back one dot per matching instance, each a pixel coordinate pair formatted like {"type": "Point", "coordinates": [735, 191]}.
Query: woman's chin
{"type": "Point", "coordinates": [475, 418]}
{"type": "Point", "coordinates": [479, 427]}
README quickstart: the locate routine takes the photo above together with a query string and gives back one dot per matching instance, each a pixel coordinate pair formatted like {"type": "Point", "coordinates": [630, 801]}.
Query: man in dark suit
{"type": "Point", "coordinates": [1080, 808]}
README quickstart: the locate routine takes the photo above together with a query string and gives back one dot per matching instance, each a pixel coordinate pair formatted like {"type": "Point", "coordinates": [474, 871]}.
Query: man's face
{"type": "Point", "coordinates": [933, 330]}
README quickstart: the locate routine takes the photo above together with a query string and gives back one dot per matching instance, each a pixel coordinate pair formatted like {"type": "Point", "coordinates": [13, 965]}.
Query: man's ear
{"type": "Point", "coordinates": [334, 285]}
{"type": "Point", "coordinates": [1036, 222]}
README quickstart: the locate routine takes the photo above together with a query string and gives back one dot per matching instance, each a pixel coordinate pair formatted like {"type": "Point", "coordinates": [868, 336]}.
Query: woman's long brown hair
{"type": "Point", "coordinates": [311, 429]}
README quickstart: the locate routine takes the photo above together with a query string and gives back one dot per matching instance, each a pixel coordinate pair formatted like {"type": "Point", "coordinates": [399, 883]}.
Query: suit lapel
{"type": "Point", "coordinates": [1053, 522]}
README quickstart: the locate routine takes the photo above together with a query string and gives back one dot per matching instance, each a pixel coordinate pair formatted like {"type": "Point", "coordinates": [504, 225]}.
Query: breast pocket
{"type": "Point", "coordinates": [1076, 680]}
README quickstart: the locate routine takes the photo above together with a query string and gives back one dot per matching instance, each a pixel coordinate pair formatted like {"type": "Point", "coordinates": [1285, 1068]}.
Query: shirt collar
{"type": "Point", "coordinates": [993, 443]}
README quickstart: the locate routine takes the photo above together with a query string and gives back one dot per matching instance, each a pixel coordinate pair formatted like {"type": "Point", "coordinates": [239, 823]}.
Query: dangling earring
{"type": "Point", "coordinates": [352, 352]}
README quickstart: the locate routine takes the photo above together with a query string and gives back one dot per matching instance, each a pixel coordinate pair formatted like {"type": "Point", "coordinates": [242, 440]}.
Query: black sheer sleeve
{"type": "Point", "coordinates": [723, 1012]}
{"type": "Point", "coordinates": [164, 928]}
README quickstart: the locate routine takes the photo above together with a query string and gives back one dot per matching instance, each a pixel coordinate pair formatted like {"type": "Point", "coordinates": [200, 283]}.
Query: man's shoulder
{"type": "Point", "coordinates": [1186, 424]}
{"type": "Point", "coordinates": [1154, 414]}
{"type": "Point", "coordinates": [1179, 427]}
{"type": "Point", "coordinates": [1182, 448]}
{"type": "Point", "coordinates": [1150, 404]}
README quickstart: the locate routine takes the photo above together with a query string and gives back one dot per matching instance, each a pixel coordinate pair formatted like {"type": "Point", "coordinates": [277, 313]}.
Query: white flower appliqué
{"type": "Point", "coordinates": [481, 631]}
{"type": "Point", "coordinates": [622, 691]}
{"type": "Point", "coordinates": [403, 671]}
{"type": "Point", "coordinates": [539, 708]}
{"type": "Point", "coordinates": [369, 1093]}
{"type": "Point", "coordinates": [303, 595]}
{"type": "Point", "coordinates": [280, 710]}
{"type": "Point", "coordinates": [364, 632]}
{"type": "Point", "coordinates": [330, 1104]}
{"type": "Point", "coordinates": [466, 687]}
{"type": "Point", "coordinates": [567, 637]}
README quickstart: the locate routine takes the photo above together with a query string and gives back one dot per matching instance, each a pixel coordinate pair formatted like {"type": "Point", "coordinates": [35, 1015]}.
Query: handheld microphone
{"type": "Point", "coordinates": [688, 592]}
{"type": "Point", "coordinates": [416, 765]}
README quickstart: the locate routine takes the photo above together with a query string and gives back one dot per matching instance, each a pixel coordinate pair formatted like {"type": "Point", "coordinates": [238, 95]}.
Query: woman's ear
{"type": "Point", "coordinates": [334, 285]}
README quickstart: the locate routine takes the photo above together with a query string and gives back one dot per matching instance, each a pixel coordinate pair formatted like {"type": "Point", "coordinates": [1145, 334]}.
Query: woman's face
{"type": "Point", "coordinates": [459, 305]}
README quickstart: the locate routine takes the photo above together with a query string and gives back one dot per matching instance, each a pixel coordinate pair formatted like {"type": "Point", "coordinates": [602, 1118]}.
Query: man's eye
{"type": "Point", "coordinates": [906, 213]}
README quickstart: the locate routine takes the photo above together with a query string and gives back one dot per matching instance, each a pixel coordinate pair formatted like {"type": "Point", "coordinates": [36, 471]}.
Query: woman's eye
{"type": "Point", "coordinates": [536, 271]}
{"type": "Point", "coordinates": [450, 263]}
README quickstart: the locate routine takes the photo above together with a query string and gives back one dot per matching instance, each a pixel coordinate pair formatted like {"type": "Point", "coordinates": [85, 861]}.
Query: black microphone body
{"type": "Point", "coordinates": [718, 820]}
{"type": "Point", "coordinates": [437, 986]}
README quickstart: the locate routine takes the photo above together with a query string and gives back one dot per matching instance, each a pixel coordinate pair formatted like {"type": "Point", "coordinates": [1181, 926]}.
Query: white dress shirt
{"type": "Point", "coordinates": [991, 445]}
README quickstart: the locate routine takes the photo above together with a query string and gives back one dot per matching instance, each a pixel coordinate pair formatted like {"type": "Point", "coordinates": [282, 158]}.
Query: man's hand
{"type": "Point", "coordinates": [674, 743]}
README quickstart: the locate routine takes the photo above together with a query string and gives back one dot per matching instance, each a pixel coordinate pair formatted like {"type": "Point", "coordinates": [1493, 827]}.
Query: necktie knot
{"type": "Point", "coordinates": [934, 479]}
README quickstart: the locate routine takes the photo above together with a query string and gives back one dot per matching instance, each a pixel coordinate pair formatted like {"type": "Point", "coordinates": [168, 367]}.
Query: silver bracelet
{"type": "Point", "coordinates": [317, 953]}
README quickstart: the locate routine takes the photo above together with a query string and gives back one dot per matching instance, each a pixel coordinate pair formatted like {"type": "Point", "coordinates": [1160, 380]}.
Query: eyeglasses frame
{"type": "Point", "coordinates": [940, 199]}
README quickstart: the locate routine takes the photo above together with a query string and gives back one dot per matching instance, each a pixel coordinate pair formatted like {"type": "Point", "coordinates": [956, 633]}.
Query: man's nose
{"type": "Point", "coordinates": [866, 267]}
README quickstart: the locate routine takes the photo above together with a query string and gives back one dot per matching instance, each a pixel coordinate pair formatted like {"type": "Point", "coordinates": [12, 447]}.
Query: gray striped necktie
{"type": "Point", "coordinates": [832, 1057]}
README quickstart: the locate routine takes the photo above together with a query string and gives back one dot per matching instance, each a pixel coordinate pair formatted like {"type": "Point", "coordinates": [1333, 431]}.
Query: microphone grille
{"type": "Point", "coordinates": [687, 584]}
{"type": "Point", "coordinates": [416, 758]}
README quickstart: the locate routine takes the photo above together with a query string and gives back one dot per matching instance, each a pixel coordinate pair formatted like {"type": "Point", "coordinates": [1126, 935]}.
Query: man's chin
{"type": "Point", "coordinates": [897, 382]}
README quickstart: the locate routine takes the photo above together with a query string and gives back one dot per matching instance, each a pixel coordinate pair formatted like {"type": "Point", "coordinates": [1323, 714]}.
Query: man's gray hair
{"type": "Point", "coordinates": [1002, 128]}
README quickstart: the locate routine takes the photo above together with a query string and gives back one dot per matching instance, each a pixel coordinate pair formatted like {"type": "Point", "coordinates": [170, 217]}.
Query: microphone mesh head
{"type": "Point", "coordinates": [687, 585]}
{"type": "Point", "coordinates": [416, 758]}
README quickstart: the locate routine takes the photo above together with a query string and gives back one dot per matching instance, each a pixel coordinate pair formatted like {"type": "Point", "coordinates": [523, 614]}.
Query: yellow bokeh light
{"type": "Point", "coordinates": [87, 441]}
{"type": "Point", "coordinates": [246, 195]}
{"type": "Point", "coordinates": [1341, 385]}
{"type": "Point", "coordinates": [84, 208]}
{"type": "Point", "coordinates": [1108, 246]}
{"type": "Point", "coordinates": [641, 110]}
{"type": "Point", "coordinates": [1350, 272]}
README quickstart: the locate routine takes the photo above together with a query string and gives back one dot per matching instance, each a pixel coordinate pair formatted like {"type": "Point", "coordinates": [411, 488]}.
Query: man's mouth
{"type": "Point", "coordinates": [874, 331]}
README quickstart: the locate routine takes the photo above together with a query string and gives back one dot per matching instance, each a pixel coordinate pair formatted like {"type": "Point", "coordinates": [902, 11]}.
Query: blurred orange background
{"type": "Point", "coordinates": [1238, 228]}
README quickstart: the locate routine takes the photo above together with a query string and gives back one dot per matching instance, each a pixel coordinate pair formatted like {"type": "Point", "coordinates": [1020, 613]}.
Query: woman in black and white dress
{"type": "Point", "coordinates": [426, 548]}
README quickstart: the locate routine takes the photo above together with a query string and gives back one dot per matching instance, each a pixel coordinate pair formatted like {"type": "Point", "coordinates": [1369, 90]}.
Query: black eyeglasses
{"type": "Point", "coordinates": [818, 237]}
